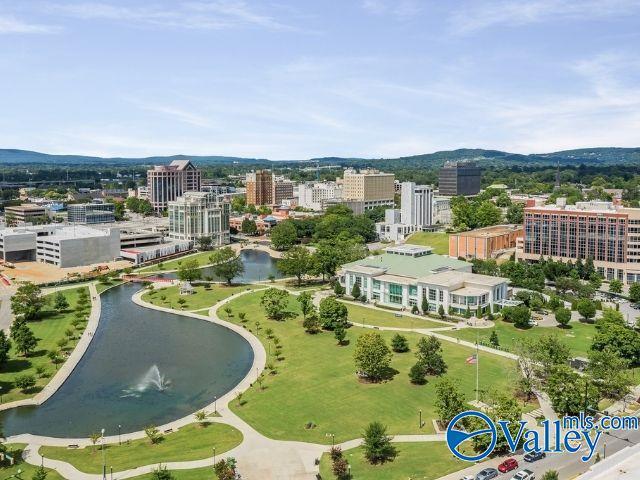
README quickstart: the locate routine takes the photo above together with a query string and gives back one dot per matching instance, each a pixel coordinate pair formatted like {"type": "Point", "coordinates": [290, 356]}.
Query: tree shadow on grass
{"type": "Point", "coordinates": [15, 365]}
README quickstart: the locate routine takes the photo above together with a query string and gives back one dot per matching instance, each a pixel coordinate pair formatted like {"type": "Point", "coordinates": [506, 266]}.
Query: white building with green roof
{"type": "Point", "coordinates": [405, 274]}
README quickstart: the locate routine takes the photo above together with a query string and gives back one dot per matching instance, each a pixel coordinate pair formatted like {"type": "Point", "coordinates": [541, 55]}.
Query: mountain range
{"type": "Point", "coordinates": [602, 155]}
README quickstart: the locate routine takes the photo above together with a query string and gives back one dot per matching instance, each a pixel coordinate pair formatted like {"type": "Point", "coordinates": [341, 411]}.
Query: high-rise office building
{"type": "Point", "coordinates": [259, 187]}
{"type": "Point", "coordinates": [282, 190]}
{"type": "Point", "coordinates": [168, 182]}
{"type": "Point", "coordinates": [416, 204]}
{"type": "Point", "coordinates": [459, 178]}
{"type": "Point", "coordinates": [605, 232]}
{"type": "Point", "coordinates": [199, 214]}
{"type": "Point", "coordinates": [372, 187]}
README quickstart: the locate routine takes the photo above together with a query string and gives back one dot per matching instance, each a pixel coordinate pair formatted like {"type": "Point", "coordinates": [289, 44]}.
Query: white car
{"type": "Point", "coordinates": [524, 475]}
{"type": "Point", "coordinates": [467, 477]}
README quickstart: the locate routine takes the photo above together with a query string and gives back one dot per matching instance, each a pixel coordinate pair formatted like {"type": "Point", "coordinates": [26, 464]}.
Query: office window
{"type": "Point", "coordinates": [395, 293]}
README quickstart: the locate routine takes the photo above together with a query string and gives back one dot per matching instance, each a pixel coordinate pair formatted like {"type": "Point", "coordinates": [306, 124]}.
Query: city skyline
{"type": "Point", "coordinates": [292, 80]}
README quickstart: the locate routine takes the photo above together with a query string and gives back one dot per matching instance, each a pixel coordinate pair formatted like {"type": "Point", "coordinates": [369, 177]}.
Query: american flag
{"type": "Point", "coordinates": [472, 359]}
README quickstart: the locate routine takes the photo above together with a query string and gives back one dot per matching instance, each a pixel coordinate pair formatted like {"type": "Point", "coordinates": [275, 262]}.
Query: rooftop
{"type": "Point", "coordinates": [25, 207]}
{"type": "Point", "coordinates": [409, 250]}
{"type": "Point", "coordinates": [406, 266]}
{"type": "Point", "coordinates": [492, 231]}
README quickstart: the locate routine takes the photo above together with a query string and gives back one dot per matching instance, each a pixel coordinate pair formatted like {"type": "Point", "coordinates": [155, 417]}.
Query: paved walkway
{"type": "Point", "coordinates": [72, 361]}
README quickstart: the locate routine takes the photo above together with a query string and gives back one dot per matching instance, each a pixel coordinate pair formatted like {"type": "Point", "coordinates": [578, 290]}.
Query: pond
{"type": "Point", "coordinates": [144, 367]}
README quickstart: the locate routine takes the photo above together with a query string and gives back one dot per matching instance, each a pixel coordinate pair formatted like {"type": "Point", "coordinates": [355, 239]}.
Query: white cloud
{"type": "Point", "coordinates": [12, 25]}
{"type": "Point", "coordinates": [202, 15]}
{"type": "Point", "coordinates": [478, 15]}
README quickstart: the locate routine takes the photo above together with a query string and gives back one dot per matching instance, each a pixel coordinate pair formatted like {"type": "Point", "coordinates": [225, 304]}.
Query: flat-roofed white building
{"type": "Point", "coordinates": [63, 246]}
{"type": "Point", "coordinates": [312, 194]}
{"type": "Point", "coordinates": [405, 274]}
{"type": "Point", "coordinates": [199, 214]}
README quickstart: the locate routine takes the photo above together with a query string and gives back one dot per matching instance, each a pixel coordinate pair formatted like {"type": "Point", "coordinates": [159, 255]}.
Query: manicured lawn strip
{"type": "Point", "coordinates": [204, 473]}
{"type": "Point", "coordinates": [578, 337]}
{"type": "Point", "coordinates": [316, 383]}
{"type": "Point", "coordinates": [201, 257]}
{"type": "Point", "coordinates": [201, 298]}
{"type": "Point", "coordinates": [425, 461]}
{"type": "Point", "coordinates": [48, 330]}
{"type": "Point", "coordinates": [101, 287]}
{"type": "Point", "coordinates": [438, 240]}
{"type": "Point", "coordinates": [192, 442]}
{"type": "Point", "coordinates": [27, 470]}
{"type": "Point", "coordinates": [369, 316]}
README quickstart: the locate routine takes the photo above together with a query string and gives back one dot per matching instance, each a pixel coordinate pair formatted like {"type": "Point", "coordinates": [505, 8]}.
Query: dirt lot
{"type": "Point", "coordinates": [43, 272]}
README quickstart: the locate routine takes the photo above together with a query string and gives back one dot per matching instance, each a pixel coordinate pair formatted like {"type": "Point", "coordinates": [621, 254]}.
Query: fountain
{"type": "Point", "coordinates": [153, 378]}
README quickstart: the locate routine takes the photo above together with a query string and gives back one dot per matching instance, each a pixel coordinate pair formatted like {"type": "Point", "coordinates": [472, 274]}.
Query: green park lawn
{"type": "Point", "coordinates": [369, 316]}
{"type": "Point", "coordinates": [423, 460]}
{"type": "Point", "coordinates": [438, 240]}
{"type": "Point", "coordinates": [200, 299]}
{"type": "Point", "coordinates": [192, 442]}
{"type": "Point", "coordinates": [27, 470]}
{"type": "Point", "coordinates": [578, 336]}
{"type": "Point", "coordinates": [316, 382]}
{"type": "Point", "coordinates": [201, 257]}
{"type": "Point", "coordinates": [101, 287]}
{"type": "Point", "coordinates": [204, 473]}
{"type": "Point", "coordinates": [48, 329]}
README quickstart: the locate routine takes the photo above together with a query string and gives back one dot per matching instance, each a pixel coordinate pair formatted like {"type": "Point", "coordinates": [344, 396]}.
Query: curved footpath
{"type": "Point", "coordinates": [258, 457]}
{"type": "Point", "coordinates": [76, 355]}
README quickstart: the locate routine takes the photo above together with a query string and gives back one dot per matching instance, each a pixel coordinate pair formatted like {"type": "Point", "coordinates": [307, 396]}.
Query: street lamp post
{"type": "Point", "coordinates": [215, 404]}
{"type": "Point", "coordinates": [119, 433]}
{"type": "Point", "coordinates": [333, 438]}
{"type": "Point", "coordinates": [104, 461]}
{"type": "Point", "coordinates": [420, 419]}
{"type": "Point", "coordinates": [214, 456]}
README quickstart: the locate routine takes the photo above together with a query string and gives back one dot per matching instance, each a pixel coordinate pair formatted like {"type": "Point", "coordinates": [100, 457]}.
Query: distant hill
{"type": "Point", "coordinates": [604, 155]}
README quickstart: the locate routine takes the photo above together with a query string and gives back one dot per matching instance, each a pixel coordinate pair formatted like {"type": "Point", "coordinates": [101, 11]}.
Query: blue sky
{"type": "Point", "coordinates": [288, 79]}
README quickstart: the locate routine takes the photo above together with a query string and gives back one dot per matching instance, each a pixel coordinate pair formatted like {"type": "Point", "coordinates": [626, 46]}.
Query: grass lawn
{"type": "Point", "coordinates": [316, 382]}
{"type": "Point", "coordinates": [578, 337]}
{"type": "Point", "coordinates": [204, 473]}
{"type": "Point", "coordinates": [192, 442]}
{"type": "Point", "coordinates": [438, 240]}
{"type": "Point", "coordinates": [48, 330]}
{"type": "Point", "coordinates": [201, 257]}
{"type": "Point", "coordinates": [425, 461]}
{"type": "Point", "coordinates": [101, 287]}
{"type": "Point", "coordinates": [202, 298]}
{"type": "Point", "coordinates": [369, 316]}
{"type": "Point", "coordinates": [27, 470]}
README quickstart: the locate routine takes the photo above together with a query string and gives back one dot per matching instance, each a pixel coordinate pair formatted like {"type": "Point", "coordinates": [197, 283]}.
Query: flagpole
{"type": "Point", "coordinates": [477, 364]}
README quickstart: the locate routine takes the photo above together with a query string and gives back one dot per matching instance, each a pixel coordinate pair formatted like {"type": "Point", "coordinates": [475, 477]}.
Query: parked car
{"type": "Point", "coordinates": [487, 474]}
{"type": "Point", "coordinates": [534, 456]}
{"type": "Point", "coordinates": [508, 465]}
{"type": "Point", "coordinates": [524, 475]}
{"type": "Point", "coordinates": [467, 477]}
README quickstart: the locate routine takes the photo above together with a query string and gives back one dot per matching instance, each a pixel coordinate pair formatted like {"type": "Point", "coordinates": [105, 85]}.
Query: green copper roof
{"type": "Point", "coordinates": [410, 266]}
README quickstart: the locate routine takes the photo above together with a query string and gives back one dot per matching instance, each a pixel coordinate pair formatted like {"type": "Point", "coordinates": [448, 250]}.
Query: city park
{"type": "Point", "coordinates": [332, 371]}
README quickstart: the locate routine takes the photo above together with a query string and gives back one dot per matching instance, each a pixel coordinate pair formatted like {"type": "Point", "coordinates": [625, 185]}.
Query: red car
{"type": "Point", "coordinates": [508, 465]}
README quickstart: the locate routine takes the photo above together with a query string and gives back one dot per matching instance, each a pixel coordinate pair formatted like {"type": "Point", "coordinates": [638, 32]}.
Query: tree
{"type": "Point", "coordinates": [28, 301]}
{"type": "Point", "coordinates": [340, 468]}
{"type": "Point", "coordinates": [338, 289]}
{"type": "Point", "coordinates": [25, 381]}
{"type": "Point", "coordinates": [225, 469]}
{"type": "Point", "coordinates": [441, 311]}
{"type": "Point", "coordinates": [515, 214]}
{"type": "Point", "coordinates": [610, 373]}
{"type": "Point", "coordinates": [550, 475]}
{"type": "Point", "coordinates": [429, 355]}
{"type": "Point", "coordinates": [161, 473]}
{"type": "Point", "coordinates": [5, 346]}
{"type": "Point", "coordinates": [494, 341]}
{"type": "Point", "coordinates": [340, 333]}
{"type": "Point", "coordinates": [563, 316]}
{"type": "Point", "coordinates": [566, 388]}
{"type": "Point", "coordinates": [634, 292]}
{"type": "Point", "coordinates": [204, 243]}
{"type": "Point", "coordinates": [153, 434]}
{"type": "Point", "coordinates": [60, 302]}
{"type": "Point", "coordinates": [39, 474]}
{"type": "Point", "coordinates": [425, 305]}
{"type": "Point", "coordinates": [284, 235]}
{"type": "Point", "coordinates": [226, 264]}
{"type": "Point", "coordinates": [355, 291]}
{"type": "Point", "coordinates": [615, 286]}
{"type": "Point", "coordinates": [23, 337]}
{"type": "Point", "coordinates": [311, 323]}
{"type": "Point", "coordinates": [332, 313]}
{"type": "Point", "coordinates": [449, 400]}
{"type": "Point", "coordinates": [520, 315]}
{"type": "Point", "coordinates": [297, 262]}
{"type": "Point", "coordinates": [377, 444]}
{"type": "Point", "coordinates": [586, 308]}
{"type": "Point", "coordinates": [189, 270]}
{"type": "Point", "coordinates": [624, 341]}
{"type": "Point", "coordinates": [249, 227]}
{"type": "Point", "coordinates": [399, 343]}
{"type": "Point", "coordinates": [200, 416]}
{"type": "Point", "coordinates": [274, 301]}
{"type": "Point", "coordinates": [372, 356]}
{"type": "Point", "coordinates": [306, 303]}
{"type": "Point", "coordinates": [417, 374]}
